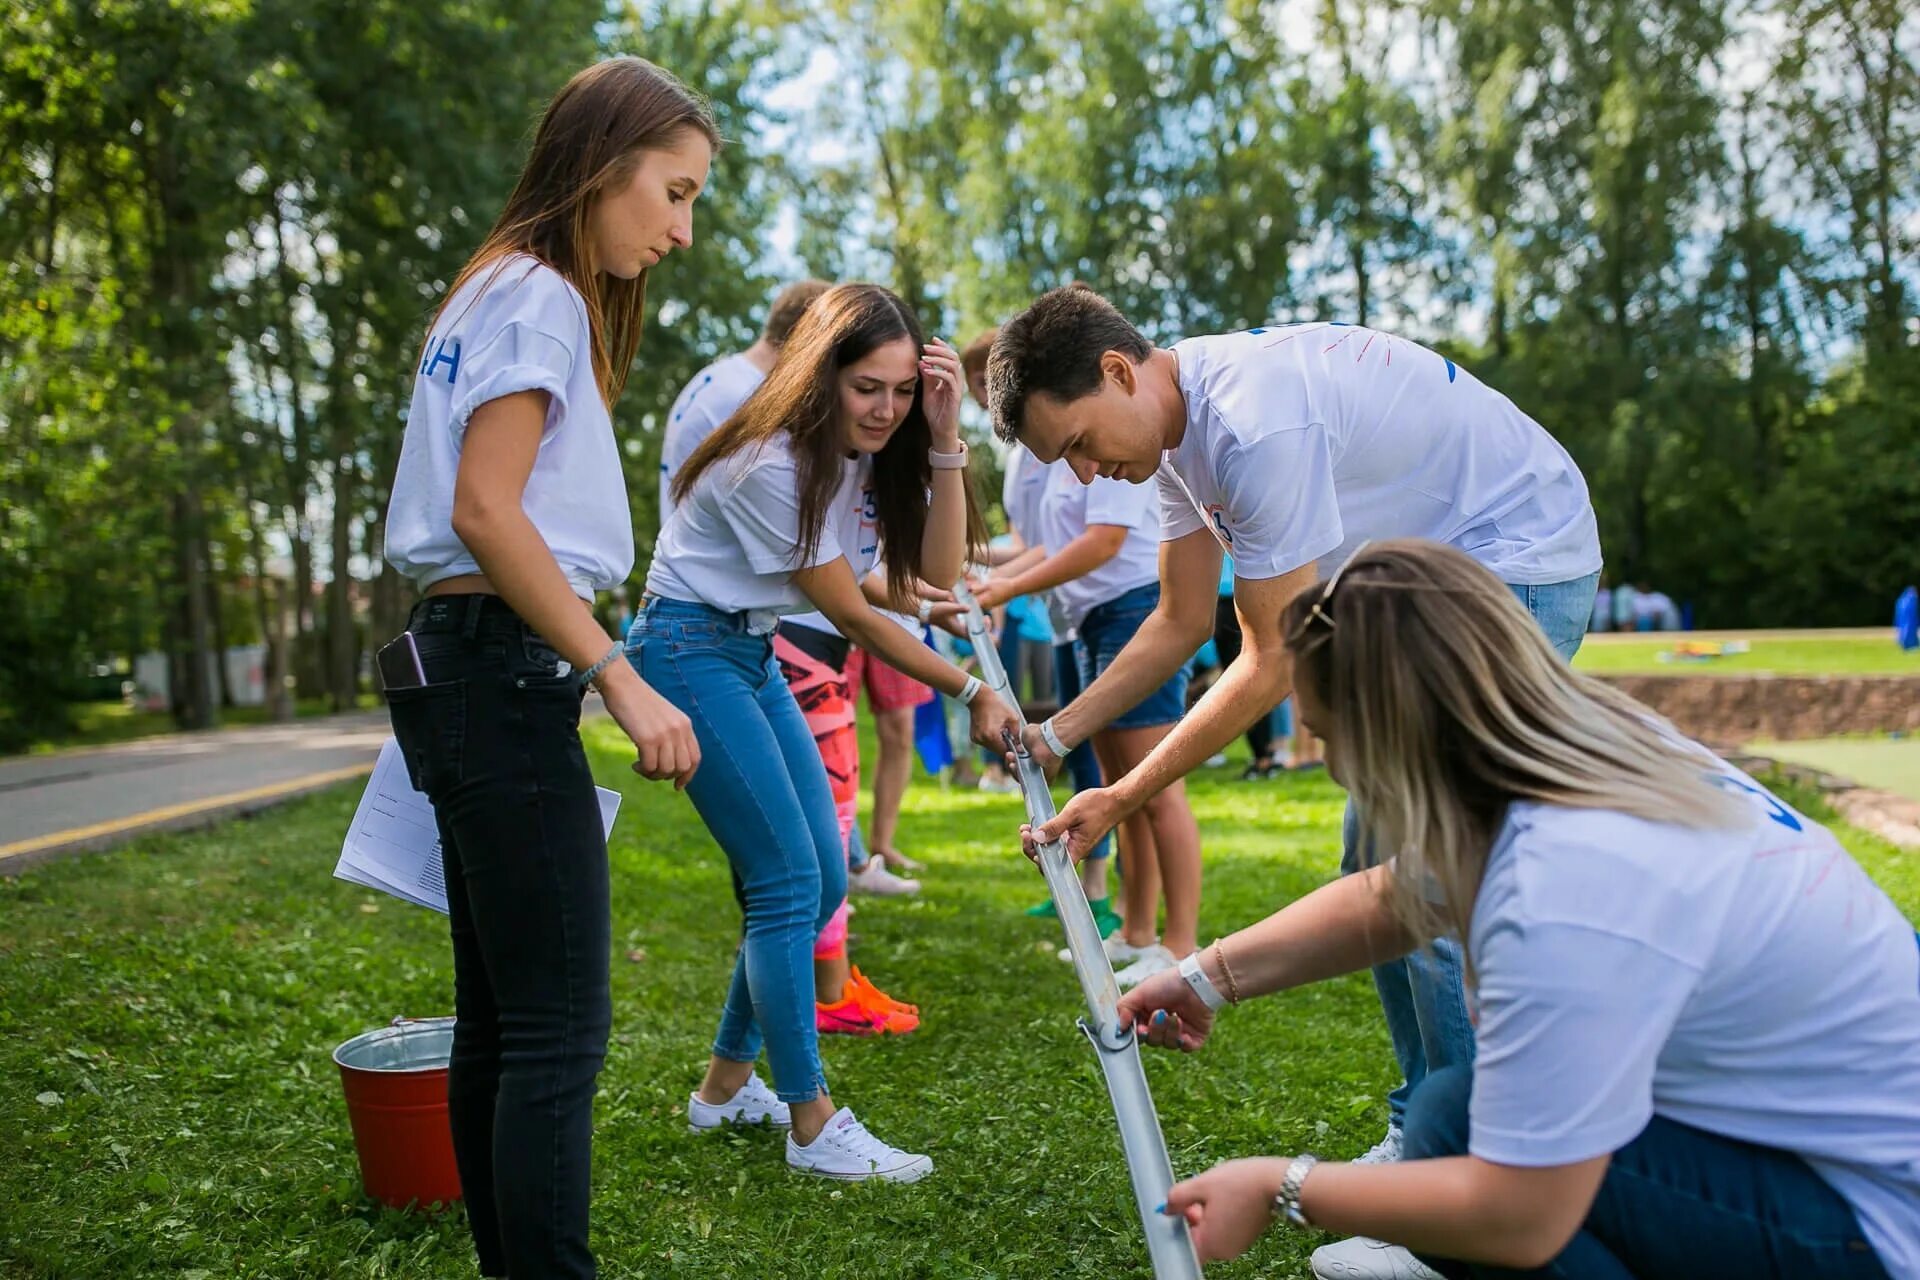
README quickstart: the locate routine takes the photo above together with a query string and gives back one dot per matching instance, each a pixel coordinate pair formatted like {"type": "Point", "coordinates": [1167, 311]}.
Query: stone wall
{"type": "Point", "coordinates": [1731, 709]}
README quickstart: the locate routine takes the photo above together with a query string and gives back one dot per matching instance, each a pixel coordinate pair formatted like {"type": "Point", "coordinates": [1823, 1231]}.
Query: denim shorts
{"type": "Point", "coordinates": [1105, 631]}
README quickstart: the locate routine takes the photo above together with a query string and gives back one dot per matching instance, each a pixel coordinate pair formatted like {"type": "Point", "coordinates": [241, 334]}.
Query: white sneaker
{"type": "Point", "coordinates": [846, 1151]}
{"type": "Point", "coordinates": [876, 879]}
{"type": "Point", "coordinates": [1155, 959]}
{"type": "Point", "coordinates": [1119, 950]}
{"type": "Point", "coordinates": [998, 786]}
{"type": "Point", "coordinates": [1385, 1151]}
{"type": "Point", "coordinates": [1216, 760]}
{"type": "Point", "coordinates": [754, 1103]}
{"type": "Point", "coordinates": [1364, 1259]}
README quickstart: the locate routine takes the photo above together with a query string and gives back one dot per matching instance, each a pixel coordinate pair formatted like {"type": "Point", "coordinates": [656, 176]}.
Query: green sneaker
{"type": "Point", "coordinates": [1044, 910]}
{"type": "Point", "coordinates": [1105, 916]}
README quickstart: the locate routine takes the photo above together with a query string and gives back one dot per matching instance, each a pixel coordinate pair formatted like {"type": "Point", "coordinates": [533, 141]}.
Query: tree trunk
{"type": "Point", "coordinates": [196, 705]}
{"type": "Point", "coordinates": [342, 650]}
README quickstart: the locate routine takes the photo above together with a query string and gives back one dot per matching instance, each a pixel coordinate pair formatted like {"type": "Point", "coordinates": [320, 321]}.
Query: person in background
{"type": "Point", "coordinates": [1625, 606]}
{"type": "Point", "coordinates": [1023, 483]}
{"type": "Point", "coordinates": [1102, 541]}
{"type": "Point", "coordinates": [1602, 607]}
{"type": "Point", "coordinates": [711, 395]}
{"type": "Point", "coordinates": [1698, 1019]}
{"type": "Point", "coordinates": [1226, 639]}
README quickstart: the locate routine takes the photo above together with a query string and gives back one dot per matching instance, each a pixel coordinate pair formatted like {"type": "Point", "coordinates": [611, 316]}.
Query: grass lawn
{"type": "Point", "coordinates": [1783, 653]}
{"type": "Point", "coordinates": [167, 1012]}
{"type": "Point", "coordinates": [1887, 763]}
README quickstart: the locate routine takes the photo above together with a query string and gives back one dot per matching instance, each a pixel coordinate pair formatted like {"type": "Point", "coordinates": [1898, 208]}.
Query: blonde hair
{"type": "Point", "coordinates": [1448, 704]}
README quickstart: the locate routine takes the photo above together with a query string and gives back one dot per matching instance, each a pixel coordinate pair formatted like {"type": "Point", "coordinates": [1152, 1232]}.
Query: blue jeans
{"type": "Point", "coordinates": [762, 791]}
{"type": "Point", "coordinates": [1104, 632]}
{"type": "Point", "coordinates": [1084, 768]}
{"type": "Point", "coordinates": [1678, 1203]}
{"type": "Point", "coordinates": [1424, 995]}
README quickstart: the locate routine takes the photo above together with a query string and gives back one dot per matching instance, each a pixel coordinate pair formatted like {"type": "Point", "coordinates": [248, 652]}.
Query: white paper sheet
{"type": "Point", "coordinates": [393, 843]}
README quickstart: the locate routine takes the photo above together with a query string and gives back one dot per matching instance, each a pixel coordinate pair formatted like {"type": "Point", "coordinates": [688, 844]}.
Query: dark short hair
{"type": "Point", "coordinates": [788, 306]}
{"type": "Point", "coordinates": [1054, 347]}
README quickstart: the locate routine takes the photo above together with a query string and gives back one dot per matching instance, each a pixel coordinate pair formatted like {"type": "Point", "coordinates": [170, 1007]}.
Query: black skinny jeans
{"type": "Point", "coordinates": [493, 739]}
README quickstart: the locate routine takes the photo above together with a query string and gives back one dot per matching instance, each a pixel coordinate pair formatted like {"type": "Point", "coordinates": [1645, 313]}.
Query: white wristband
{"type": "Point", "coordinates": [1202, 985]}
{"type": "Point", "coordinates": [947, 461]}
{"type": "Point", "coordinates": [926, 610]}
{"type": "Point", "coordinates": [968, 693]}
{"type": "Point", "coordinates": [1052, 739]}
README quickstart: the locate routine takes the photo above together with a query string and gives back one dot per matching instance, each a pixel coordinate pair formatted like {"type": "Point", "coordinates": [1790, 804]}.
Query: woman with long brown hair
{"type": "Point", "coordinates": [847, 458]}
{"type": "Point", "coordinates": [509, 511]}
{"type": "Point", "coordinates": [1697, 1019]}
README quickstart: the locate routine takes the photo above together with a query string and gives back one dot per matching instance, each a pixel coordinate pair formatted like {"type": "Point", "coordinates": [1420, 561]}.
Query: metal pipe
{"type": "Point", "coordinates": [1169, 1245]}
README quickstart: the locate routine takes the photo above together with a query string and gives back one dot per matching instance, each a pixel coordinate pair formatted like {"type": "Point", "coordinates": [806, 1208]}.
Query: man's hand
{"type": "Point", "coordinates": [1229, 1206]}
{"type": "Point", "coordinates": [992, 593]}
{"type": "Point", "coordinates": [1042, 754]}
{"type": "Point", "coordinates": [1087, 817]}
{"type": "Point", "coordinates": [1165, 1011]}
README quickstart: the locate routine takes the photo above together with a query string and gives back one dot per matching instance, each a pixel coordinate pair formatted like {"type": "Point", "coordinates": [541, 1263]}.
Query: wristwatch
{"type": "Point", "coordinates": [1286, 1201]}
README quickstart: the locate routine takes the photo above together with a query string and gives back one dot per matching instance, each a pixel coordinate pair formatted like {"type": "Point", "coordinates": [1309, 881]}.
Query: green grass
{"type": "Point", "coordinates": [1886, 763]}
{"type": "Point", "coordinates": [1807, 653]}
{"type": "Point", "coordinates": [98, 724]}
{"type": "Point", "coordinates": [174, 1004]}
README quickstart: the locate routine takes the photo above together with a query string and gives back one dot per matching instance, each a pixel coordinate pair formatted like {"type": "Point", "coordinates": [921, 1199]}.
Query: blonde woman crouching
{"type": "Point", "coordinates": [1697, 1020]}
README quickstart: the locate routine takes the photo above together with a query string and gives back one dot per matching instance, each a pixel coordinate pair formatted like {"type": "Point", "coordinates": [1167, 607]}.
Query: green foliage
{"type": "Point", "coordinates": [1681, 233]}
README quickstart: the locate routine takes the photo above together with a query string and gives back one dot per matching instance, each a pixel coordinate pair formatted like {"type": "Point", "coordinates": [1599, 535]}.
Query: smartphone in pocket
{"type": "Point", "coordinates": [398, 663]}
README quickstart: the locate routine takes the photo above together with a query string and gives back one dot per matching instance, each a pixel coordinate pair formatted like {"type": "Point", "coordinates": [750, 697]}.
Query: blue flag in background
{"type": "Point", "coordinates": [1906, 619]}
{"type": "Point", "coordinates": [930, 728]}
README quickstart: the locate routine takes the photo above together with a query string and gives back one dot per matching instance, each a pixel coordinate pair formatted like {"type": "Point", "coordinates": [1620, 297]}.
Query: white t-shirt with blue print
{"type": "Point", "coordinates": [1302, 441]}
{"type": "Point", "coordinates": [1753, 983]}
{"type": "Point", "coordinates": [520, 328]}
{"type": "Point", "coordinates": [707, 400]}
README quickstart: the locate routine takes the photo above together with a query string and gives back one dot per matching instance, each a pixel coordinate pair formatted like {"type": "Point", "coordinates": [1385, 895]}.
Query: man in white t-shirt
{"type": "Point", "coordinates": [723, 386]}
{"type": "Point", "coordinates": [1288, 446]}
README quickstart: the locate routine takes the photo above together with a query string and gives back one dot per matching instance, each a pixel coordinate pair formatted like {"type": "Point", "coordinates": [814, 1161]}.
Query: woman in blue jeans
{"type": "Point", "coordinates": [848, 457]}
{"type": "Point", "coordinates": [1698, 1020]}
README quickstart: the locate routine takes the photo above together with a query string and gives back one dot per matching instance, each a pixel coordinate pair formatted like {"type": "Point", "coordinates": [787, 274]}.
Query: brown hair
{"type": "Point", "coordinates": [788, 306]}
{"type": "Point", "coordinates": [1054, 348]}
{"type": "Point", "coordinates": [801, 399]}
{"type": "Point", "coordinates": [1448, 704]}
{"type": "Point", "coordinates": [974, 359]}
{"type": "Point", "coordinates": [589, 139]}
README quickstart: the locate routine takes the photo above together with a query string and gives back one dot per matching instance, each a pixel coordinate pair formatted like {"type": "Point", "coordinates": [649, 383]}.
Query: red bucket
{"type": "Point", "coordinates": [396, 1084]}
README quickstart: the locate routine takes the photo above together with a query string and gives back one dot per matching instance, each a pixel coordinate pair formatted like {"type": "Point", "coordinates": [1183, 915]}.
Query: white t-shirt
{"type": "Point", "coordinates": [702, 405]}
{"type": "Point", "coordinates": [1302, 441]}
{"type": "Point", "coordinates": [1753, 983]}
{"type": "Point", "coordinates": [523, 328]}
{"type": "Point", "coordinates": [734, 543]}
{"type": "Point", "coordinates": [1025, 481]}
{"type": "Point", "coordinates": [1068, 508]}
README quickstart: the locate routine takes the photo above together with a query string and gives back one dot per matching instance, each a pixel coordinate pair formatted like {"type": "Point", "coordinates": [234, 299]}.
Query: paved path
{"type": "Point", "coordinates": [90, 798]}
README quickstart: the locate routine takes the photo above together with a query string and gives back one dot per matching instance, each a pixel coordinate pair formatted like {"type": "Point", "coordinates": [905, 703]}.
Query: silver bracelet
{"type": "Point", "coordinates": [969, 691]}
{"type": "Point", "coordinates": [1286, 1204]}
{"type": "Point", "coordinates": [613, 655]}
{"type": "Point", "coordinates": [1052, 739]}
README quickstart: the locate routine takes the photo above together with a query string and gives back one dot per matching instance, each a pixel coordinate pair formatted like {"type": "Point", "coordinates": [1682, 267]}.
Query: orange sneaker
{"type": "Point", "coordinates": [898, 1017]}
{"type": "Point", "coordinates": [848, 1016]}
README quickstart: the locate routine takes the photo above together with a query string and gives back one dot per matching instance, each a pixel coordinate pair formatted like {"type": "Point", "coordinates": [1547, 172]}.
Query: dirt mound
{"type": "Point", "coordinates": [1735, 709]}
